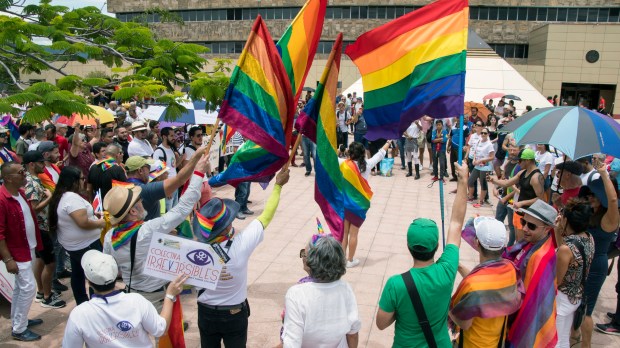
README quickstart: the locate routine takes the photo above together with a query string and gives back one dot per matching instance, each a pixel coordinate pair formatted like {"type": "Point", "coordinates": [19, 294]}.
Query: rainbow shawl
{"type": "Point", "coordinates": [492, 289]}
{"type": "Point", "coordinates": [47, 179]}
{"type": "Point", "coordinates": [413, 66]}
{"type": "Point", "coordinates": [357, 193]}
{"type": "Point", "coordinates": [534, 324]}
{"type": "Point", "coordinates": [123, 233]}
{"type": "Point", "coordinates": [318, 122]}
{"type": "Point", "coordinates": [107, 163]}
{"type": "Point", "coordinates": [259, 105]}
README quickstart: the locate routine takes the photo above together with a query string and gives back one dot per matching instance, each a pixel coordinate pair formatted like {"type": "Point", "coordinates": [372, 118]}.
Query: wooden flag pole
{"type": "Point", "coordinates": [212, 136]}
{"type": "Point", "coordinates": [293, 152]}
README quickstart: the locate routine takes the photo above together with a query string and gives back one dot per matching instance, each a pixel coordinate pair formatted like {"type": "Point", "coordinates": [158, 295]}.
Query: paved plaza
{"type": "Point", "coordinates": [275, 265]}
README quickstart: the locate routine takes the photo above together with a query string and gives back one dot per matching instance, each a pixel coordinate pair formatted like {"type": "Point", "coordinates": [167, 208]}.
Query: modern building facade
{"type": "Point", "coordinates": [546, 40]}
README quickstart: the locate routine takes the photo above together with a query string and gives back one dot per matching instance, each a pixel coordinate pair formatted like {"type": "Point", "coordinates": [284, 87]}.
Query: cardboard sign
{"type": "Point", "coordinates": [7, 280]}
{"type": "Point", "coordinates": [214, 151]}
{"type": "Point", "coordinates": [170, 256]}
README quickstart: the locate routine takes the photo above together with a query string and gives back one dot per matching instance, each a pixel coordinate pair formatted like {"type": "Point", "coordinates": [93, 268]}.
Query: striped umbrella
{"type": "Point", "coordinates": [196, 113]}
{"type": "Point", "coordinates": [575, 131]}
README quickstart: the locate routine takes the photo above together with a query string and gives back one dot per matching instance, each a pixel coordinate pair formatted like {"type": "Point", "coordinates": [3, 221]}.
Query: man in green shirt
{"type": "Point", "coordinates": [434, 280]}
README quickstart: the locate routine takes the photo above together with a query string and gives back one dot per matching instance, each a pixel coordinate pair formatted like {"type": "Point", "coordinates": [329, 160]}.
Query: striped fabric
{"type": "Point", "coordinates": [318, 122]}
{"type": "Point", "coordinates": [413, 66]}
{"type": "Point", "coordinates": [357, 193]}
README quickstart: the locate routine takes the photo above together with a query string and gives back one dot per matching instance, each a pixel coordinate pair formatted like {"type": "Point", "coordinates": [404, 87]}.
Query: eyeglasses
{"type": "Point", "coordinates": [484, 133]}
{"type": "Point", "coordinates": [530, 225]}
{"type": "Point", "coordinates": [302, 254]}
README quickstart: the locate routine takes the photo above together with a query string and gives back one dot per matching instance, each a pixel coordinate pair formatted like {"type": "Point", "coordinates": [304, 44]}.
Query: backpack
{"type": "Point", "coordinates": [189, 146]}
{"type": "Point", "coordinates": [361, 126]}
{"type": "Point", "coordinates": [164, 158]}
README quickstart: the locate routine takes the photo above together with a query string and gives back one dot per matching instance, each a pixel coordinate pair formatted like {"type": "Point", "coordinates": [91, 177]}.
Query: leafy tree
{"type": "Point", "coordinates": [43, 37]}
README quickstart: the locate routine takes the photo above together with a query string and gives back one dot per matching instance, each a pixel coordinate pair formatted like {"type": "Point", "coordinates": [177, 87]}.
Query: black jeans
{"type": "Point", "coordinates": [217, 325]}
{"type": "Point", "coordinates": [77, 272]}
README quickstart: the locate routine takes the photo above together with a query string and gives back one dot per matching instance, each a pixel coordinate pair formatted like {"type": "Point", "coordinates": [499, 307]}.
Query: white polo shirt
{"type": "Point", "coordinates": [139, 147]}
{"type": "Point", "coordinates": [121, 320]}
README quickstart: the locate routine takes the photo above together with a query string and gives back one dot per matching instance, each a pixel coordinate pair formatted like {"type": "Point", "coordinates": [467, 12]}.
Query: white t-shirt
{"type": "Point", "coordinates": [139, 147]}
{"type": "Point", "coordinates": [70, 235]}
{"type": "Point", "coordinates": [170, 160]}
{"type": "Point", "coordinates": [474, 138]}
{"type": "Point", "coordinates": [543, 160]}
{"type": "Point", "coordinates": [232, 289]}
{"type": "Point", "coordinates": [53, 173]}
{"type": "Point", "coordinates": [125, 320]}
{"type": "Point", "coordinates": [584, 177]}
{"type": "Point", "coordinates": [413, 131]}
{"type": "Point", "coordinates": [483, 150]}
{"type": "Point", "coordinates": [34, 146]}
{"type": "Point", "coordinates": [31, 231]}
{"type": "Point", "coordinates": [320, 315]}
{"type": "Point", "coordinates": [189, 152]}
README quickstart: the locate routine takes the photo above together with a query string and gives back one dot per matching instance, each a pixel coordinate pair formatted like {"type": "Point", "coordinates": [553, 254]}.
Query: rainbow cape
{"type": "Point", "coordinates": [413, 66]}
{"type": "Point", "coordinates": [46, 178]}
{"type": "Point", "coordinates": [298, 44]}
{"type": "Point", "coordinates": [258, 104]}
{"type": "Point", "coordinates": [492, 289]}
{"type": "Point", "coordinates": [175, 337]}
{"type": "Point", "coordinates": [318, 122]}
{"type": "Point", "coordinates": [357, 193]}
{"type": "Point", "coordinates": [534, 324]}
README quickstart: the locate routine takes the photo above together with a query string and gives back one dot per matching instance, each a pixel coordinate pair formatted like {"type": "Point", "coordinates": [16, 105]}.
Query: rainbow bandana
{"type": "Point", "coordinates": [206, 225]}
{"type": "Point", "coordinates": [107, 163]}
{"type": "Point", "coordinates": [127, 185]}
{"type": "Point", "coordinates": [123, 233]}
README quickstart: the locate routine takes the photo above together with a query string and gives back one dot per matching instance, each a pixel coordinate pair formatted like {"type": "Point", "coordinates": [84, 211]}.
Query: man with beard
{"type": "Point", "coordinates": [61, 141]}
{"type": "Point", "coordinates": [122, 140]}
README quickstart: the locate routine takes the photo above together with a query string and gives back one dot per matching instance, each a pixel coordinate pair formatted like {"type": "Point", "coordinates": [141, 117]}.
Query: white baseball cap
{"type": "Point", "coordinates": [99, 268]}
{"type": "Point", "coordinates": [491, 233]}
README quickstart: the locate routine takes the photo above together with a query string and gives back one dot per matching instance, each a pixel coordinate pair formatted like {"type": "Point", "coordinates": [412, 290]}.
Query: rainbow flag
{"type": "Point", "coordinates": [259, 105]}
{"type": "Point", "coordinates": [8, 122]}
{"type": "Point", "coordinates": [225, 137]}
{"type": "Point", "coordinates": [413, 66]}
{"type": "Point", "coordinates": [534, 324]}
{"type": "Point", "coordinates": [357, 193]}
{"type": "Point", "coordinates": [298, 44]}
{"type": "Point", "coordinates": [318, 122]}
{"type": "Point", "coordinates": [175, 337]}
{"type": "Point", "coordinates": [492, 289]}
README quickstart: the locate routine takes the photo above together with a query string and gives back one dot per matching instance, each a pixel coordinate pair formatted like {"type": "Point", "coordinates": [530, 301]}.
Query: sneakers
{"type": "Point", "coordinates": [240, 216]}
{"type": "Point", "coordinates": [353, 263]}
{"type": "Point", "coordinates": [307, 174]}
{"type": "Point", "coordinates": [39, 297]}
{"type": "Point", "coordinates": [58, 286]}
{"type": "Point", "coordinates": [247, 211]}
{"type": "Point", "coordinates": [477, 205]}
{"type": "Point", "coordinates": [34, 322]}
{"type": "Point", "coordinates": [26, 336]}
{"type": "Point", "coordinates": [609, 329]}
{"type": "Point", "coordinates": [435, 178]}
{"type": "Point", "coordinates": [64, 274]}
{"type": "Point", "coordinates": [53, 302]}
{"type": "Point", "coordinates": [611, 315]}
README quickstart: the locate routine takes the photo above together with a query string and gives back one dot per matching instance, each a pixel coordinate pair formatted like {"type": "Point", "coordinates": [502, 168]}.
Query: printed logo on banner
{"type": "Point", "coordinates": [124, 326]}
{"type": "Point", "coordinates": [200, 257]}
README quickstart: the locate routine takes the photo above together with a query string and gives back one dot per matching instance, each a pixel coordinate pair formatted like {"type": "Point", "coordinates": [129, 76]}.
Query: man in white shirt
{"type": "Point", "coordinates": [167, 153]}
{"type": "Point", "coordinates": [113, 318]}
{"type": "Point", "coordinates": [139, 146]}
{"type": "Point", "coordinates": [195, 141]}
{"type": "Point", "coordinates": [589, 172]}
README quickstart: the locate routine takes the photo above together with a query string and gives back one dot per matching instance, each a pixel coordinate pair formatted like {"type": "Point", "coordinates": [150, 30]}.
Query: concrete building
{"type": "Point", "coordinates": [563, 47]}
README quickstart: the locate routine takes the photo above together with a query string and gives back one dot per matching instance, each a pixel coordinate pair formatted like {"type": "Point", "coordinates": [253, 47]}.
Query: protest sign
{"type": "Point", "coordinates": [170, 256]}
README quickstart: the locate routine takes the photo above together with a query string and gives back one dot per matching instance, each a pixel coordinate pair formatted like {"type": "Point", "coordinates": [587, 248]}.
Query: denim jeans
{"type": "Point", "coordinates": [59, 253]}
{"type": "Point", "coordinates": [217, 325]}
{"type": "Point", "coordinates": [242, 194]}
{"type": "Point", "coordinates": [309, 150]}
{"type": "Point", "coordinates": [77, 272]}
{"type": "Point", "coordinates": [401, 150]}
{"type": "Point", "coordinates": [439, 156]}
{"type": "Point", "coordinates": [361, 138]}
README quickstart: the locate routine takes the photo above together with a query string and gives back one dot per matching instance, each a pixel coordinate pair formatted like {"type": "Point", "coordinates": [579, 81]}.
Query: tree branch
{"type": "Point", "coordinates": [11, 75]}
{"type": "Point", "coordinates": [31, 56]}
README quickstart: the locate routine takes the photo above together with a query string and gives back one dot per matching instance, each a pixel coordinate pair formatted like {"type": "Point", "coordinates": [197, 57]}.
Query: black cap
{"type": "Point", "coordinates": [571, 167]}
{"type": "Point", "coordinates": [33, 156]}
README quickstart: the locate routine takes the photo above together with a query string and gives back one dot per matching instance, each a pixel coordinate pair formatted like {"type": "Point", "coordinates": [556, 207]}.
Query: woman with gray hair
{"type": "Point", "coordinates": [321, 312]}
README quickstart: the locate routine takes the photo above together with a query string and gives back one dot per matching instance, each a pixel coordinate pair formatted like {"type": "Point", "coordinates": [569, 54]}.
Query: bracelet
{"type": "Point", "coordinates": [7, 261]}
{"type": "Point", "coordinates": [202, 175]}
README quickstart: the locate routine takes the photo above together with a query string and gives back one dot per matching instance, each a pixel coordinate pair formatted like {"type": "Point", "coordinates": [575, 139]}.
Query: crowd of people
{"type": "Point", "coordinates": [537, 282]}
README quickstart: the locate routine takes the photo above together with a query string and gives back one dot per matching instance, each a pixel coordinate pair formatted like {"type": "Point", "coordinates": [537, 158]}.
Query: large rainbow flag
{"type": "Point", "coordinates": [318, 122]}
{"type": "Point", "coordinates": [534, 325]}
{"type": "Point", "coordinates": [413, 66]}
{"type": "Point", "coordinates": [357, 193]}
{"type": "Point", "coordinates": [258, 104]}
{"type": "Point", "coordinates": [298, 44]}
{"type": "Point", "coordinates": [7, 122]}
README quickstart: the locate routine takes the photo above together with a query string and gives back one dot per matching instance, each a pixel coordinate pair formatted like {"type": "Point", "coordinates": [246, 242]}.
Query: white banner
{"type": "Point", "coordinates": [170, 256]}
{"type": "Point", "coordinates": [7, 280]}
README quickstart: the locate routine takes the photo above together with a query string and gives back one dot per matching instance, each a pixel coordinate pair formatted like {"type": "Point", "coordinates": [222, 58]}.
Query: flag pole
{"type": "Point", "coordinates": [293, 152]}
{"type": "Point", "coordinates": [212, 136]}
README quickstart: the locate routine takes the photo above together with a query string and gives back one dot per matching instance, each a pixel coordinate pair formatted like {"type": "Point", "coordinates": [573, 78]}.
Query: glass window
{"type": "Point", "coordinates": [510, 51]}
{"type": "Point", "coordinates": [562, 14]}
{"type": "Point", "coordinates": [372, 12]}
{"type": "Point", "coordinates": [238, 47]}
{"type": "Point", "coordinates": [531, 13]}
{"type": "Point", "coordinates": [603, 15]}
{"type": "Point", "coordinates": [381, 12]}
{"type": "Point", "coordinates": [519, 51]}
{"type": "Point", "coordinates": [572, 14]}
{"type": "Point", "coordinates": [355, 12]}
{"type": "Point", "coordinates": [121, 17]}
{"type": "Point", "coordinates": [593, 15]}
{"type": "Point", "coordinates": [512, 13]}
{"type": "Point", "coordinates": [238, 14]}
{"type": "Point", "coordinates": [390, 12]}
{"type": "Point", "coordinates": [614, 14]}
{"type": "Point", "coordinates": [409, 9]}
{"type": "Point", "coordinates": [500, 50]}
{"type": "Point", "coordinates": [253, 13]}
{"type": "Point", "coordinates": [493, 13]}
{"type": "Point", "coordinates": [246, 14]}
{"type": "Point", "coordinates": [363, 11]}
{"type": "Point", "coordinates": [329, 13]}
{"type": "Point", "coordinates": [502, 13]}
{"type": "Point", "coordinates": [552, 14]}
{"type": "Point", "coordinates": [222, 14]}
{"type": "Point", "coordinates": [473, 12]}
{"type": "Point", "coordinates": [401, 11]}
{"type": "Point", "coordinates": [230, 14]}
{"type": "Point", "coordinates": [270, 13]}
{"type": "Point", "coordinates": [346, 12]}
{"type": "Point", "coordinates": [278, 13]}
{"type": "Point", "coordinates": [522, 14]}
{"type": "Point", "coordinates": [185, 15]}
{"type": "Point", "coordinates": [484, 13]}
{"type": "Point", "coordinates": [337, 13]}
{"type": "Point", "coordinates": [542, 14]}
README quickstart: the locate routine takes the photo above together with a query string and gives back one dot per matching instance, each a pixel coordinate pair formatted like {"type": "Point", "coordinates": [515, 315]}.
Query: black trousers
{"type": "Point", "coordinates": [217, 325]}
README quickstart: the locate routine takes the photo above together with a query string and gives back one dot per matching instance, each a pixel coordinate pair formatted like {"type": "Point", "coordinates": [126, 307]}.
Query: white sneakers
{"type": "Point", "coordinates": [353, 263]}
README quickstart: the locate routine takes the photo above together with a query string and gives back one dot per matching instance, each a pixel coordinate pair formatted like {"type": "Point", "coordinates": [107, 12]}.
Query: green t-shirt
{"type": "Point", "coordinates": [435, 285]}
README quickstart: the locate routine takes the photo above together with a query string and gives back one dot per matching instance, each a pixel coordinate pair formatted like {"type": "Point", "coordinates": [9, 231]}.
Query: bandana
{"type": "Point", "coordinates": [123, 233]}
{"type": "Point", "coordinates": [107, 163]}
{"type": "Point", "coordinates": [206, 224]}
{"type": "Point", "coordinates": [127, 185]}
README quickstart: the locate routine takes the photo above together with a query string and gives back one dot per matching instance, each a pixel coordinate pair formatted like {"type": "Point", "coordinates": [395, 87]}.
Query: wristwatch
{"type": "Point", "coordinates": [171, 298]}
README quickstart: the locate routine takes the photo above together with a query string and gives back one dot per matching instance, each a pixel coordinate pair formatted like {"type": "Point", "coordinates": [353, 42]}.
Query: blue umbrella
{"type": "Point", "coordinates": [575, 131]}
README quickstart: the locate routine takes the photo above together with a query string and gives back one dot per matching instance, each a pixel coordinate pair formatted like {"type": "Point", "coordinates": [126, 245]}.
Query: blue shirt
{"type": "Point", "coordinates": [444, 140]}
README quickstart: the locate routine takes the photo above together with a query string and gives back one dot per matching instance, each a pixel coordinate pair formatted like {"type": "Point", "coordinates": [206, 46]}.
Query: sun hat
{"type": "Point", "coordinates": [138, 126]}
{"type": "Point", "coordinates": [423, 235]}
{"type": "Point", "coordinates": [33, 156]}
{"type": "Point", "coordinates": [99, 268]}
{"type": "Point", "coordinates": [527, 154]}
{"type": "Point", "coordinates": [137, 162]}
{"type": "Point", "coordinates": [572, 167]}
{"type": "Point", "coordinates": [46, 146]}
{"type": "Point", "coordinates": [491, 233]}
{"type": "Point", "coordinates": [119, 200]}
{"type": "Point", "coordinates": [157, 169]}
{"type": "Point", "coordinates": [596, 188]}
{"type": "Point", "coordinates": [541, 211]}
{"type": "Point", "coordinates": [213, 218]}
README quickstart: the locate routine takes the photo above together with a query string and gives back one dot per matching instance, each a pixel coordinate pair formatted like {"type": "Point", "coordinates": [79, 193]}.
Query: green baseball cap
{"type": "Point", "coordinates": [423, 235]}
{"type": "Point", "coordinates": [527, 154]}
{"type": "Point", "coordinates": [137, 162]}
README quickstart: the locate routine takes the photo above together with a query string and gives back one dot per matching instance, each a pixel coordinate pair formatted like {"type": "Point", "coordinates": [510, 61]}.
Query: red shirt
{"type": "Point", "coordinates": [13, 227]}
{"type": "Point", "coordinates": [63, 146]}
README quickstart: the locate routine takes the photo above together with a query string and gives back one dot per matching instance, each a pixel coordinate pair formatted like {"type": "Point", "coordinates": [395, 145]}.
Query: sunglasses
{"type": "Point", "coordinates": [302, 254]}
{"type": "Point", "coordinates": [478, 125]}
{"type": "Point", "coordinates": [484, 133]}
{"type": "Point", "coordinates": [530, 225]}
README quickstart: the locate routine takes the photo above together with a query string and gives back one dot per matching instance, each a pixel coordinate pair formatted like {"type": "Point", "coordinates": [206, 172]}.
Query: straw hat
{"type": "Point", "coordinates": [119, 200]}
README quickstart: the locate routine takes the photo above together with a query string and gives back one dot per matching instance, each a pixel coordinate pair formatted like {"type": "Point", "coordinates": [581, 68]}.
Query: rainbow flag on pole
{"type": "Point", "coordinates": [357, 193]}
{"type": "Point", "coordinates": [258, 104]}
{"type": "Point", "coordinates": [318, 122]}
{"type": "Point", "coordinates": [413, 66]}
{"type": "Point", "coordinates": [299, 42]}
{"type": "Point", "coordinates": [175, 337]}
